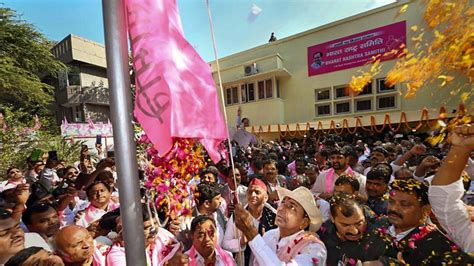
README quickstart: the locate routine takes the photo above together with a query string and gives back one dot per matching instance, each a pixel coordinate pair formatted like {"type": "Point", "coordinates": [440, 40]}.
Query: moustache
{"type": "Point", "coordinates": [395, 213]}
{"type": "Point", "coordinates": [350, 234]}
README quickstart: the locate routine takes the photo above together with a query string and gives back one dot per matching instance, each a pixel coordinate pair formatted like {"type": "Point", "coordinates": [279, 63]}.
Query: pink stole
{"type": "Point", "coordinates": [330, 178]}
{"type": "Point", "coordinates": [290, 251]}
{"type": "Point", "coordinates": [226, 258]}
{"type": "Point", "coordinates": [92, 213]}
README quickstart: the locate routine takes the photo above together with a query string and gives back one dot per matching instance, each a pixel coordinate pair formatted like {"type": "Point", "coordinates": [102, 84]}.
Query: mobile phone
{"type": "Point", "coordinates": [53, 155]}
{"type": "Point", "coordinates": [81, 180]}
{"type": "Point", "coordinates": [110, 154]}
{"type": "Point", "coordinates": [36, 154]}
{"type": "Point", "coordinates": [98, 139]}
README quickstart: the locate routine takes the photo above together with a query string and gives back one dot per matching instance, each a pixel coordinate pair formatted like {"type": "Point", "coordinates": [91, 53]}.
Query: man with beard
{"type": "Point", "coordinates": [350, 234]}
{"type": "Point", "coordinates": [378, 155]}
{"type": "Point", "coordinates": [208, 199]}
{"type": "Point", "coordinates": [263, 217]}
{"type": "Point", "coordinates": [12, 238]}
{"type": "Point", "coordinates": [271, 180]}
{"type": "Point", "coordinates": [43, 219]}
{"type": "Point", "coordinates": [294, 241]}
{"type": "Point", "coordinates": [377, 187]}
{"type": "Point", "coordinates": [414, 241]}
{"type": "Point", "coordinates": [325, 182]}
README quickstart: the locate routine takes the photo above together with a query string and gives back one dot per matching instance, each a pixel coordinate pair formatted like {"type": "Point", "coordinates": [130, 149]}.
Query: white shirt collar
{"type": "Point", "coordinates": [400, 236]}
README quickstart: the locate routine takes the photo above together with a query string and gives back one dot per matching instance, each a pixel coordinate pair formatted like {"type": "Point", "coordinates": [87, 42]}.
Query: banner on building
{"type": "Point", "coordinates": [356, 50]}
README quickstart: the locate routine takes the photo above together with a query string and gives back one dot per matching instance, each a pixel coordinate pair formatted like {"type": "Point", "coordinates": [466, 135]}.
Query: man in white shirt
{"type": "Point", "coordinates": [325, 182]}
{"type": "Point", "coordinates": [242, 136]}
{"type": "Point", "coordinates": [447, 190]}
{"type": "Point", "coordinates": [290, 243]}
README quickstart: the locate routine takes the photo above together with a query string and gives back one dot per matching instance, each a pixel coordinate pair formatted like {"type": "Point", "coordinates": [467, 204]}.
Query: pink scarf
{"type": "Point", "coordinates": [92, 213]}
{"type": "Point", "coordinates": [226, 258]}
{"type": "Point", "coordinates": [330, 178]}
{"type": "Point", "coordinates": [290, 251]}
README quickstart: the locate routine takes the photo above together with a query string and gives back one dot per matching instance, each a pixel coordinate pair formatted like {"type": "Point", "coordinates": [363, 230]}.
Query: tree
{"type": "Point", "coordinates": [450, 51]}
{"type": "Point", "coordinates": [25, 57]}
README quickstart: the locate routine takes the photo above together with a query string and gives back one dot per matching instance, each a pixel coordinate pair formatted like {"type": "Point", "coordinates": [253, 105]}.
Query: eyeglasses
{"type": "Point", "coordinates": [14, 171]}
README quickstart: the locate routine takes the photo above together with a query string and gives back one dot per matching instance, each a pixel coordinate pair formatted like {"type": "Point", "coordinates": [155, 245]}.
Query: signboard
{"type": "Point", "coordinates": [356, 50]}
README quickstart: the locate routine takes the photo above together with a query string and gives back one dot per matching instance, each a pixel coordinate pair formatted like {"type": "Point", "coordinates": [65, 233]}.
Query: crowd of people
{"type": "Point", "coordinates": [320, 200]}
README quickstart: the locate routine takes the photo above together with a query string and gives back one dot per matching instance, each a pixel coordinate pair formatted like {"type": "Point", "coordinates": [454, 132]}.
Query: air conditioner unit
{"type": "Point", "coordinates": [251, 69]}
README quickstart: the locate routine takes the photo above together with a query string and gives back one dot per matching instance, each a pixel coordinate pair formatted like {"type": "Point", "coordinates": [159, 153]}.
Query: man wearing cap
{"type": "Point", "coordinates": [291, 243]}
{"type": "Point", "coordinates": [324, 184]}
{"type": "Point", "coordinates": [263, 216]}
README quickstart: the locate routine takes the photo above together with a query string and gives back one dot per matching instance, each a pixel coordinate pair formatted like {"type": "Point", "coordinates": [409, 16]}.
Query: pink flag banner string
{"type": "Point", "coordinates": [85, 129]}
{"type": "Point", "coordinates": [176, 96]}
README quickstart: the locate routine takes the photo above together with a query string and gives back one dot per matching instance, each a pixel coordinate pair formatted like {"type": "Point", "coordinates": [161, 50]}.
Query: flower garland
{"type": "Point", "coordinates": [168, 176]}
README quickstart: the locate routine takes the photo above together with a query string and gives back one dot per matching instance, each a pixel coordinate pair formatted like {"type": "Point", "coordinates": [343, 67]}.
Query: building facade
{"type": "Point", "coordinates": [81, 92]}
{"type": "Point", "coordinates": [300, 82]}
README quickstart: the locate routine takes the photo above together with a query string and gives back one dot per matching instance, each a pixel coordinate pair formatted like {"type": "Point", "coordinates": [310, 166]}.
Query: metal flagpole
{"type": "Point", "coordinates": [116, 47]}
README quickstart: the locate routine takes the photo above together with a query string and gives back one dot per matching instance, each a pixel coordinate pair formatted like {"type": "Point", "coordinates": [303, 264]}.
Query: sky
{"type": "Point", "coordinates": [239, 24]}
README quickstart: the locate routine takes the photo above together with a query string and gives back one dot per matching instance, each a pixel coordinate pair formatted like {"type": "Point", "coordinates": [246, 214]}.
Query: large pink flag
{"type": "Point", "coordinates": [176, 95]}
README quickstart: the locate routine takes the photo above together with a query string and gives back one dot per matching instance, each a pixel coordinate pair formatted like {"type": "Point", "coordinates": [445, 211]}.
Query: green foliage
{"type": "Point", "coordinates": [25, 57]}
{"type": "Point", "coordinates": [19, 139]}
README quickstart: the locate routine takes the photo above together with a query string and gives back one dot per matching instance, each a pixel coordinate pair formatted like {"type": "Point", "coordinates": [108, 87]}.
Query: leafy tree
{"type": "Point", "coordinates": [18, 140]}
{"type": "Point", "coordinates": [25, 58]}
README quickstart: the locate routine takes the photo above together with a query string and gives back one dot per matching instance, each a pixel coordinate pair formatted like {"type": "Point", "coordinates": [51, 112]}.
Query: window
{"type": "Point", "coordinates": [386, 102]}
{"type": "Point", "coordinates": [232, 95]}
{"type": "Point", "coordinates": [323, 109]}
{"type": "Point", "coordinates": [363, 105]}
{"type": "Point", "coordinates": [268, 88]}
{"type": "Point", "coordinates": [344, 107]}
{"type": "Point", "coordinates": [247, 92]}
{"type": "Point", "coordinates": [366, 90]}
{"type": "Point", "coordinates": [323, 94]}
{"type": "Point", "coordinates": [265, 89]}
{"type": "Point", "coordinates": [278, 88]}
{"type": "Point", "coordinates": [77, 113]}
{"type": "Point", "coordinates": [341, 91]}
{"type": "Point", "coordinates": [381, 87]}
{"type": "Point", "coordinates": [74, 79]}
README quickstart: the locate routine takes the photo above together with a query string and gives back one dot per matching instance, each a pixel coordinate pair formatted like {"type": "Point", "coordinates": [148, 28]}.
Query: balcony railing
{"type": "Point", "coordinates": [73, 95]}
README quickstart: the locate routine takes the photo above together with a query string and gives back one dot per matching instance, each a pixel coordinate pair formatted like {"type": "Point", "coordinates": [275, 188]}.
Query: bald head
{"type": "Point", "coordinates": [74, 244]}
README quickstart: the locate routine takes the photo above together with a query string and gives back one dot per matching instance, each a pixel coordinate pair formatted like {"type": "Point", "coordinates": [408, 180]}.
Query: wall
{"type": "Point", "coordinates": [297, 89]}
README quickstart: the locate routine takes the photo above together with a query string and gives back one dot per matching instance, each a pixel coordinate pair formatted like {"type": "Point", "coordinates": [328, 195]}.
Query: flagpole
{"type": "Point", "coordinates": [116, 47]}
{"type": "Point", "coordinates": [240, 257]}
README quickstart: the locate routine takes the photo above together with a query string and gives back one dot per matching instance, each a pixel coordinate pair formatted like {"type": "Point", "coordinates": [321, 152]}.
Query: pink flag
{"type": "Point", "coordinates": [176, 96]}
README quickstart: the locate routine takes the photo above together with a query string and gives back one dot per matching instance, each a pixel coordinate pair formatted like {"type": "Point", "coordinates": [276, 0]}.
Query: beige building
{"type": "Point", "coordinates": [276, 89]}
{"type": "Point", "coordinates": [81, 92]}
